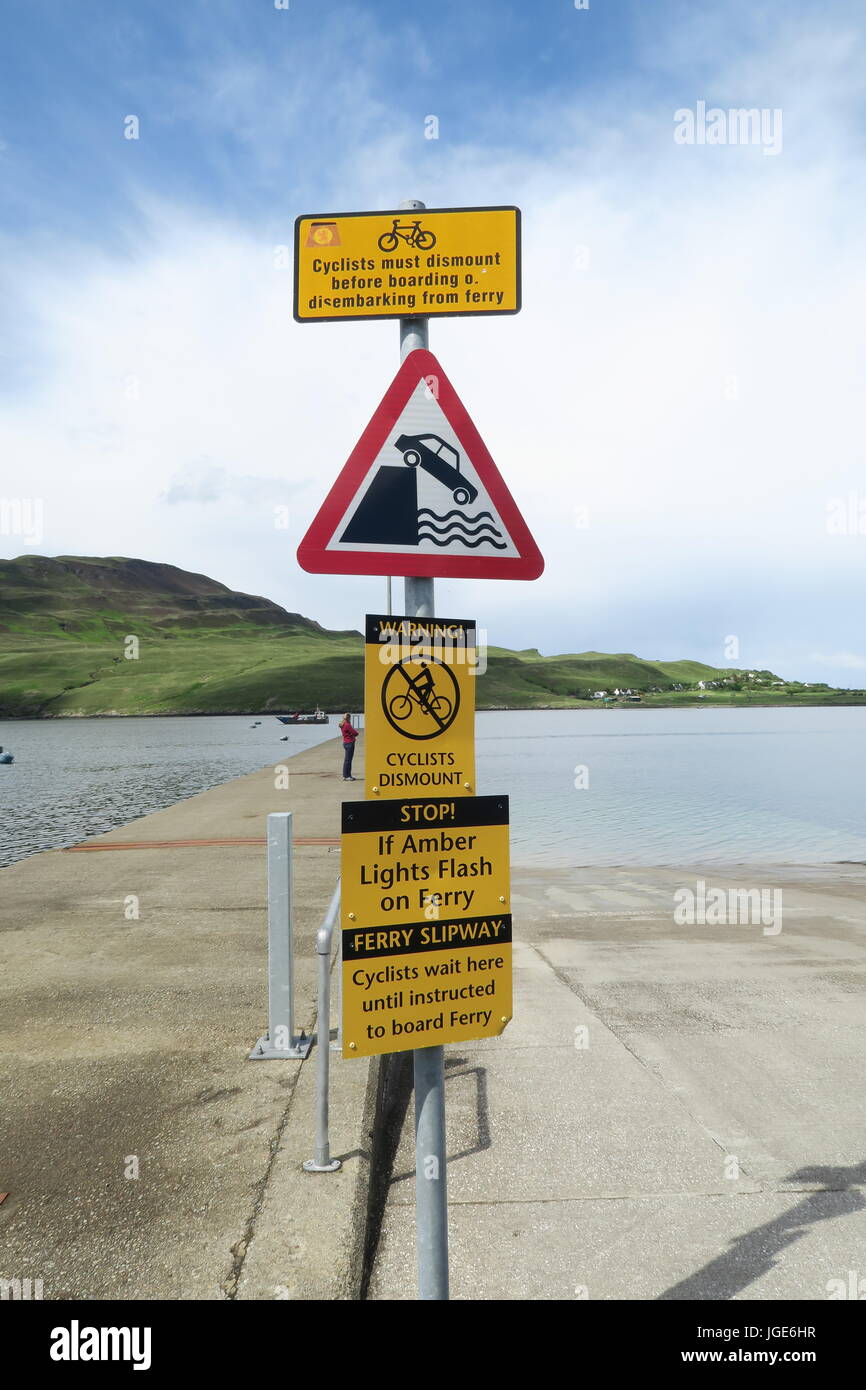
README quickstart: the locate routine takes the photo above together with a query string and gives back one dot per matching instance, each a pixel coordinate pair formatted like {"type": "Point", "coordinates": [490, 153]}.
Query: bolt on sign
{"type": "Point", "coordinates": [419, 702]}
{"type": "Point", "coordinates": [429, 262]}
{"type": "Point", "coordinates": [426, 923]}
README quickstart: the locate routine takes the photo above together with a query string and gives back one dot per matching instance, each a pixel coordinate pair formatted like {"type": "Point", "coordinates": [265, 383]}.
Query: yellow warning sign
{"type": "Point", "coordinates": [426, 923]}
{"type": "Point", "coordinates": [433, 261]}
{"type": "Point", "coordinates": [419, 701]}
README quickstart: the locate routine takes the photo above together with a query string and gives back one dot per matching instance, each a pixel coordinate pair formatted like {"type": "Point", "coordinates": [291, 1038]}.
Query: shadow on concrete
{"type": "Point", "coordinates": [393, 1092]}
{"type": "Point", "coordinates": [753, 1254]}
{"type": "Point", "coordinates": [482, 1108]}
{"type": "Point", "coordinates": [393, 1097]}
{"type": "Point", "coordinates": [482, 1111]}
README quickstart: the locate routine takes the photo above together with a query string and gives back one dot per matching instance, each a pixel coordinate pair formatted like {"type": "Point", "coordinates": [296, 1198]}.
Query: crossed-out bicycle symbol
{"type": "Point", "coordinates": [411, 233]}
{"type": "Point", "coordinates": [421, 695]}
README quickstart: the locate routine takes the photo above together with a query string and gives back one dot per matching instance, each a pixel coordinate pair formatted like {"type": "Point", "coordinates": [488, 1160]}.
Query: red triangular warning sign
{"type": "Point", "coordinates": [420, 494]}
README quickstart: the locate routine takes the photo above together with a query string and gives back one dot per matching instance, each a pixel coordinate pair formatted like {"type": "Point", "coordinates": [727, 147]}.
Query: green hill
{"type": "Point", "coordinates": [201, 648]}
{"type": "Point", "coordinates": [85, 636]}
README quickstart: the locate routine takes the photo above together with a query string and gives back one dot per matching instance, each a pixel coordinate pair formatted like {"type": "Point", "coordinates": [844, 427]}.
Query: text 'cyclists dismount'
{"type": "Point", "coordinates": [426, 923]}
{"type": "Point", "coordinates": [433, 262]}
{"type": "Point", "coordinates": [419, 701]}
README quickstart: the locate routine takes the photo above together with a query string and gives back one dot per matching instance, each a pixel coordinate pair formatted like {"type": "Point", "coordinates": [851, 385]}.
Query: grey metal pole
{"type": "Point", "coordinates": [280, 1040]}
{"type": "Point", "coordinates": [431, 1195]}
{"type": "Point", "coordinates": [322, 1162]}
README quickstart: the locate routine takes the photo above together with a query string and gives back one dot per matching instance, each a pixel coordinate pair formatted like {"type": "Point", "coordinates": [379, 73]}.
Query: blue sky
{"type": "Point", "coordinates": [252, 111]}
{"type": "Point", "coordinates": [687, 372]}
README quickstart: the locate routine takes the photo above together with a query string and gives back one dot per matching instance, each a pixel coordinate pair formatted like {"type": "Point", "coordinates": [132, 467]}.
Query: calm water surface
{"type": "Point", "coordinates": [78, 777]}
{"type": "Point", "coordinates": [680, 786]}
{"type": "Point", "coordinates": [665, 786]}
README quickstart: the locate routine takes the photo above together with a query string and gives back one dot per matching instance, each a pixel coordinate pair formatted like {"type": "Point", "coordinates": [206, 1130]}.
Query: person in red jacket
{"type": "Point", "coordinates": [349, 736]}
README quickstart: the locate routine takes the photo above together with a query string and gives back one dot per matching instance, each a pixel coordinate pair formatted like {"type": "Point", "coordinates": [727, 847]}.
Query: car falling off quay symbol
{"type": "Point", "coordinates": [438, 459]}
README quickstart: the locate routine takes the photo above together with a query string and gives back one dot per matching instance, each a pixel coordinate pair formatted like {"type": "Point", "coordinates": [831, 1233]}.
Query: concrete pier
{"type": "Point", "coordinates": [676, 1112]}
{"type": "Point", "coordinates": [124, 1050]}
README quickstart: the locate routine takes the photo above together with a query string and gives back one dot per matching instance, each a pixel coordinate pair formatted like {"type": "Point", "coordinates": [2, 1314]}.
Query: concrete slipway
{"type": "Point", "coordinates": [129, 1038]}
{"type": "Point", "coordinates": [675, 1112]}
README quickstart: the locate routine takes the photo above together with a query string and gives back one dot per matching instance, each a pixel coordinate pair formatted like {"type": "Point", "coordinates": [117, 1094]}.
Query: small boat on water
{"type": "Point", "coordinates": [6, 757]}
{"type": "Point", "coordinates": [318, 716]}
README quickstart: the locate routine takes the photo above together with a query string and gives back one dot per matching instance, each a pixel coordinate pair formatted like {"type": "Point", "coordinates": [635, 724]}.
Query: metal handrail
{"type": "Point", "coordinates": [323, 1163]}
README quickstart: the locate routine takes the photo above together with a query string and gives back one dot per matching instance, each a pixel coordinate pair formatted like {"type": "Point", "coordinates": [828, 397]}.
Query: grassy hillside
{"type": "Point", "coordinates": [200, 648]}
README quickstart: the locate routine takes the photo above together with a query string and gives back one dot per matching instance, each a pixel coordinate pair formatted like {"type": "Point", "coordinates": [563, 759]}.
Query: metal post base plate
{"type": "Point", "coordinates": [264, 1050]}
{"type": "Point", "coordinates": [311, 1166]}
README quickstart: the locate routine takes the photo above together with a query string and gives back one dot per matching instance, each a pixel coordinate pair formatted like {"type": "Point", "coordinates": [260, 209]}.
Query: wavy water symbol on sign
{"type": "Point", "coordinates": [470, 531]}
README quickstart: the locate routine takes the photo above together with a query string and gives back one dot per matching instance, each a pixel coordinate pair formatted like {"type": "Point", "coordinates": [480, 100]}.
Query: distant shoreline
{"type": "Point", "coordinates": [82, 632]}
{"type": "Point", "coordinates": [490, 709]}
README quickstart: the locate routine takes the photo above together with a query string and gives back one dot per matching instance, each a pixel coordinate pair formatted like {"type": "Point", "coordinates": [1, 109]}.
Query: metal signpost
{"type": "Point", "coordinates": [426, 927]}
{"type": "Point", "coordinates": [431, 1158]}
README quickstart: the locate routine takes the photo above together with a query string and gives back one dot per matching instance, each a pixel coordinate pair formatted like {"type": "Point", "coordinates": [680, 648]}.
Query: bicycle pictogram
{"type": "Point", "coordinates": [412, 233]}
{"type": "Point", "coordinates": [420, 697]}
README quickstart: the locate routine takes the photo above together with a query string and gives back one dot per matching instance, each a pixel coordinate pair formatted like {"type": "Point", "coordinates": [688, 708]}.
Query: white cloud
{"type": "Point", "coordinates": [205, 482]}
{"type": "Point", "coordinates": [846, 661]}
{"type": "Point", "coordinates": [696, 386]}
